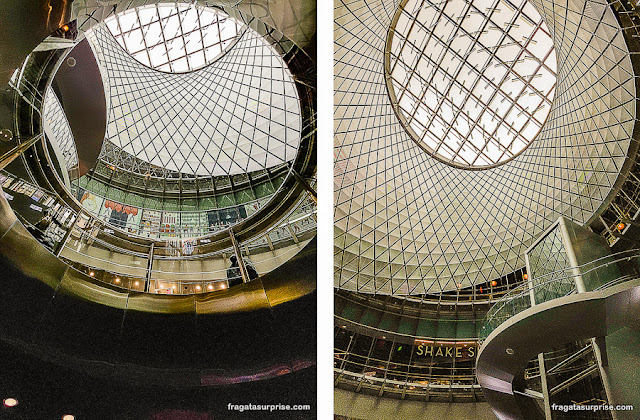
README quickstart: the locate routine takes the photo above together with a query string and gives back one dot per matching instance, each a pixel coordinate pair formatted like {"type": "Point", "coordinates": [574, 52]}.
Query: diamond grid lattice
{"type": "Point", "coordinates": [473, 84]}
{"type": "Point", "coordinates": [238, 115]}
{"type": "Point", "coordinates": [547, 257]}
{"type": "Point", "coordinates": [115, 157]}
{"type": "Point", "coordinates": [174, 37]}
{"type": "Point", "coordinates": [54, 116]}
{"type": "Point", "coordinates": [406, 223]}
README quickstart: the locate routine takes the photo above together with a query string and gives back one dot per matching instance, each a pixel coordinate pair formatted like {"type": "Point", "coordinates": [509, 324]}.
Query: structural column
{"type": "Point", "coordinates": [541, 364]}
{"type": "Point", "coordinates": [149, 267]}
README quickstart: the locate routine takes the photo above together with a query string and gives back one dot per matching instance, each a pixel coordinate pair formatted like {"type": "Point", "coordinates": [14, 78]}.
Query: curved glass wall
{"type": "Point", "coordinates": [186, 153]}
{"type": "Point", "coordinates": [391, 346]}
{"type": "Point", "coordinates": [160, 203]}
{"type": "Point", "coordinates": [174, 207]}
{"type": "Point", "coordinates": [173, 265]}
{"type": "Point", "coordinates": [416, 229]}
{"type": "Point", "coordinates": [58, 131]}
{"type": "Point", "coordinates": [437, 369]}
{"type": "Point", "coordinates": [407, 223]}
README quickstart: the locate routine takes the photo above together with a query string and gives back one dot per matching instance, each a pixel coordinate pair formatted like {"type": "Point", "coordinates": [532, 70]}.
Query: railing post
{"type": "Point", "coordinates": [596, 344]}
{"type": "Point", "coordinates": [573, 260]}
{"type": "Point", "coordinates": [236, 248]}
{"type": "Point", "coordinates": [12, 154]}
{"type": "Point", "coordinates": [293, 234]}
{"type": "Point", "coordinates": [545, 386]}
{"type": "Point", "coordinates": [149, 267]}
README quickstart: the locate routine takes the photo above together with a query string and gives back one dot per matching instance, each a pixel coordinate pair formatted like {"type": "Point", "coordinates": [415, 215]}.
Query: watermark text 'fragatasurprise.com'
{"type": "Point", "coordinates": [590, 407]}
{"type": "Point", "coordinates": [268, 407]}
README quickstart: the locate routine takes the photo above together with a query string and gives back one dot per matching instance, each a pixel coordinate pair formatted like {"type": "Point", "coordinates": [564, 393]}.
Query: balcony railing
{"type": "Point", "coordinates": [173, 266]}
{"type": "Point", "coordinates": [558, 284]}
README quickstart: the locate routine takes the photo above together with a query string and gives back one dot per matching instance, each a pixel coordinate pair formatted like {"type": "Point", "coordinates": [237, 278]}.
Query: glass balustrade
{"type": "Point", "coordinates": [174, 265]}
{"type": "Point", "coordinates": [556, 284]}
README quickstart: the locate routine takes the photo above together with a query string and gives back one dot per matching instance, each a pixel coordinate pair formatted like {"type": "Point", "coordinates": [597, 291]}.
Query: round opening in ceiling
{"type": "Point", "coordinates": [195, 151]}
{"type": "Point", "coordinates": [471, 82]}
{"type": "Point", "coordinates": [239, 114]}
{"type": "Point", "coordinates": [174, 38]}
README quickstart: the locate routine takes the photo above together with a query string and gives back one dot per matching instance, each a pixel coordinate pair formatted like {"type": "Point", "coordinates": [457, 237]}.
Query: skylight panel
{"type": "Point", "coordinates": [476, 76]}
{"type": "Point", "coordinates": [174, 38]}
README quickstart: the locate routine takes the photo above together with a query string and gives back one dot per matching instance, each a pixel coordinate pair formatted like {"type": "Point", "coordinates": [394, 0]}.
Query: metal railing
{"type": "Point", "coordinates": [555, 285]}
{"type": "Point", "coordinates": [446, 388]}
{"type": "Point", "coordinates": [403, 373]}
{"type": "Point", "coordinates": [93, 248]}
{"type": "Point", "coordinates": [387, 365]}
{"type": "Point", "coordinates": [177, 272]}
{"type": "Point", "coordinates": [361, 371]}
{"type": "Point", "coordinates": [159, 224]}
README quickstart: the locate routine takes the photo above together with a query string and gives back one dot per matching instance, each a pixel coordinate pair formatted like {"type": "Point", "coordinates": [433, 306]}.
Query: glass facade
{"type": "Point", "coordinates": [549, 264]}
{"type": "Point", "coordinates": [59, 131]}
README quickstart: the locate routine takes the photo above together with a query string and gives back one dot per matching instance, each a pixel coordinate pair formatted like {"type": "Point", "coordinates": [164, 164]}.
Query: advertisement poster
{"type": "Point", "coordinates": [91, 202]}
{"type": "Point", "coordinates": [150, 223]}
{"type": "Point", "coordinates": [120, 215]}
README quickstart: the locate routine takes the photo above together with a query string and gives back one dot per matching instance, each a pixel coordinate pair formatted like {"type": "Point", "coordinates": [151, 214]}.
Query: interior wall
{"type": "Point", "coordinates": [624, 377]}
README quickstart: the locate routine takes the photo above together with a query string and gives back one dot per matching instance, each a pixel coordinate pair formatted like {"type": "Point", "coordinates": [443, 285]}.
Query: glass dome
{"type": "Point", "coordinates": [174, 37]}
{"type": "Point", "coordinates": [239, 114]}
{"type": "Point", "coordinates": [187, 152]}
{"type": "Point", "coordinates": [472, 82]}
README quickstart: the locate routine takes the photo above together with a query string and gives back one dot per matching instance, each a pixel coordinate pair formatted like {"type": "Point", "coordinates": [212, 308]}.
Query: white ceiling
{"type": "Point", "coordinates": [239, 114]}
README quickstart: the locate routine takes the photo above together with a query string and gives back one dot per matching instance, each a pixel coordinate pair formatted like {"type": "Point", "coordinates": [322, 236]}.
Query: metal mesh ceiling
{"type": "Point", "coordinates": [472, 82]}
{"type": "Point", "coordinates": [239, 114]}
{"type": "Point", "coordinates": [57, 127]}
{"type": "Point", "coordinates": [174, 37]}
{"type": "Point", "coordinates": [406, 223]}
